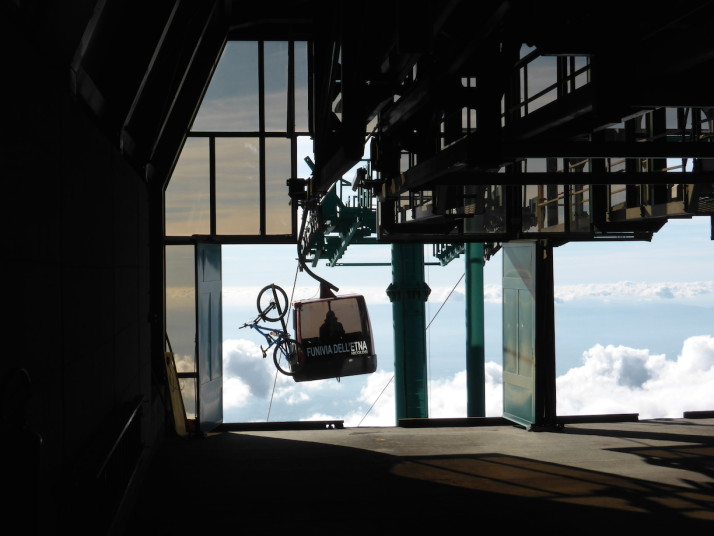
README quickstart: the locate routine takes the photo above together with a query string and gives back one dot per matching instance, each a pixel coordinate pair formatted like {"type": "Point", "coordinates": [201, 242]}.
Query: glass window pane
{"type": "Point", "coordinates": [554, 207]}
{"type": "Point", "coordinates": [301, 85]}
{"type": "Point", "coordinates": [542, 73]}
{"type": "Point", "coordinates": [618, 196]}
{"type": "Point", "coordinates": [231, 101]}
{"type": "Point", "coordinates": [510, 335]}
{"type": "Point", "coordinates": [277, 172]}
{"type": "Point", "coordinates": [276, 86]}
{"type": "Point", "coordinates": [526, 333]}
{"type": "Point", "coordinates": [304, 149]}
{"type": "Point", "coordinates": [517, 264]}
{"type": "Point", "coordinates": [187, 195]}
{"type": "Point", "coordinates": [188, 393]}
{"type": "Point", "coordinates": [582, 78]}
{"type": "Point", "coordinates": [311, 317]}
{"type": "Point", "coordinates": [237, 186]}
{"type": "Point", "coordinates": [318, 318]}
{"type": "Point", "coordinates": [348, 314]}
{"type": "Point", "coordinates": [532, 208]}
{"type": "Point", "coordinates": [580, 207]}
{"type": "Point", "coordinates": [181, 317]}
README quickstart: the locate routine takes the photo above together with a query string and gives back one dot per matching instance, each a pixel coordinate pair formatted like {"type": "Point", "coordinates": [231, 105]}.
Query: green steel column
{"type": "Point", "coordinates": [408, 293]}
{"type": "Point", "coordinates": [475, 375]}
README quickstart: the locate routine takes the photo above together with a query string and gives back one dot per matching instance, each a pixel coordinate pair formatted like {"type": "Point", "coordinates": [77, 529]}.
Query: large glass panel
{"type": "Point", "coordinates": [315, 316]}
{"type": "Point", "coordinates": [583, 77]}
{"type": "Point", "coordinates": [181, 318]}
{"type": "Point", "coordinates": [231, 101]}
{"type": "Point", "coordinates": [526, 333]}
{"type": "Point", "coordinates": [517, 263]}
{"type": "Point", "coordinates": [518, 330]}
{"type": "Point", "coordinates": [276, 86]}
{"type": "Point", "coordinates": [301, 87]}
{"type": "Point", "coordinates": [554, 207]}
{"type": "Point", "coordinates": [532, 208]}
{"type": "Point", "coordinates": [618, 196]}
{"type": "Point", "coordinates": [231, 106]}
{"type": "Point", "coordinates": [277, 172]}
{"type": "Point", "coordinates": [510, 334]}
{"type": "Point", "coordinates": [187, 195]}
{"type": "Point", "coordinates": [580, 207]}
{"type": "Point", "coordinates": [237, 186]}
{"type": "Point", "coordinates": [304, 150]}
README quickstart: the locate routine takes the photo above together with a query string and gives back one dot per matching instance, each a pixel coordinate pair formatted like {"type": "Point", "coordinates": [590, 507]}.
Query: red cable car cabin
{"type": "Point", "coordinates": [336, 338]}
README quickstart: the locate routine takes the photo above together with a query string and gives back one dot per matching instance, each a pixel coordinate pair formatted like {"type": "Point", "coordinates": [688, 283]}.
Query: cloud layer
{"type": "Point", "coordinates": [631, 291]}
{"type": "Point", "coordinates": [611, 292]}
{"type": "Point", "coordinates": [618, 379]}
{"type": "Point", "coordinates": [611, 379]}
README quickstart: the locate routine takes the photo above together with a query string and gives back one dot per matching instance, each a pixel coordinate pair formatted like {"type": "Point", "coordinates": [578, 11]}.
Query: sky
{"type": "Point", "coordinates": [634, 332]}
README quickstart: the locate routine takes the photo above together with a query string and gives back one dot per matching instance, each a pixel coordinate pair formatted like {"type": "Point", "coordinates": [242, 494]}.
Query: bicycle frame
{"type": "Point", "coordinates": [272, 336]}
{"type": "Point", "coordinates": [287, 354]}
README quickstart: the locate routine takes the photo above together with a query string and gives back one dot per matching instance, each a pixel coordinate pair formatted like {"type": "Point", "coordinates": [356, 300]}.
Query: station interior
{"type": "Point", "coordinates": [145, 136]}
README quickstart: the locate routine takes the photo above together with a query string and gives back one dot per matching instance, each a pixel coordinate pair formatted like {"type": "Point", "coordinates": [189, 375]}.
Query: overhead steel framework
{"type": "Point", "coordinates": [513, 120]}
{"type": "Point", "coordinates": [491, 120]}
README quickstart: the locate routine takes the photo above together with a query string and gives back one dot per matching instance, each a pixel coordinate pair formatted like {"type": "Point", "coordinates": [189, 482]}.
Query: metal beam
{"type": "Point", "coordinates": [427, 88]}
{"type": "Point", "coordinates": [611, 149]}
{"type": "Point", "coordinates": [476, 154]}
{"type": "Point", "coordinates": [208, 33]}
{"type": "Point", "coordinates": [466, 177]}
{"type": "Point", "coordinates": [141, 119]}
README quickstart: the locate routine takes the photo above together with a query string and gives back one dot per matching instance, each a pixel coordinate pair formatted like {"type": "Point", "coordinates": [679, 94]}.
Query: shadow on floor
{"type": "Point", "coordinates": [264, 484]}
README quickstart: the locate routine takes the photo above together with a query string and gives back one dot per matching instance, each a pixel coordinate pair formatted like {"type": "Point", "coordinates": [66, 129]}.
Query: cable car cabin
{"type": "Point", "coordinates": [336, 338]}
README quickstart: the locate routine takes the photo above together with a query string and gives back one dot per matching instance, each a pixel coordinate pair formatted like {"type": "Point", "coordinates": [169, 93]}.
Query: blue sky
{"type": "Point", "coordinates": [634, 325]}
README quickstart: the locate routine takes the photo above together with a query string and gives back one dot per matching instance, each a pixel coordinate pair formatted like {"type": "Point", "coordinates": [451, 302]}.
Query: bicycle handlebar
{"type": "Point", "coordinates": [254, 324]}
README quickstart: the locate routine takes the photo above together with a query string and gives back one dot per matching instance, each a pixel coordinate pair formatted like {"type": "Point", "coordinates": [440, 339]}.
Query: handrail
{"type": "Point", "coordinates": [106, 471]}
{"type": "Point", "coordinates": [134, 411]}
{"type": "Point", "coordinates": [523, 63]}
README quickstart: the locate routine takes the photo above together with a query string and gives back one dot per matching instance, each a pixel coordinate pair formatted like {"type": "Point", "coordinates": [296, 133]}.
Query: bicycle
{"type": "Point", "coordinates": [288, 355]}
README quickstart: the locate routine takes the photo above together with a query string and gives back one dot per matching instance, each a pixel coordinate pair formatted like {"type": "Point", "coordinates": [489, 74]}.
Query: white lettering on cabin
{"type": "Point", "coordinates": [353, 348]}
{"type": "Point", "coordinates": [358, 348]}
{"type": "Point", "coordinates": [316, 351]}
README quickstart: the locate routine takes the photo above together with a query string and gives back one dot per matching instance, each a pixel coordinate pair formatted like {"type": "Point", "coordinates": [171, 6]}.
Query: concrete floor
{"type": "Point", "coordinates": [655, 476]}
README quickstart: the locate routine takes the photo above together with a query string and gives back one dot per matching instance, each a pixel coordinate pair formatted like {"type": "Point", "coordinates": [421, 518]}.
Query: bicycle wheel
{"type": "Point", "coordinates": [288, 356]}
{"type": "Point", "coordinates": [272, 303]}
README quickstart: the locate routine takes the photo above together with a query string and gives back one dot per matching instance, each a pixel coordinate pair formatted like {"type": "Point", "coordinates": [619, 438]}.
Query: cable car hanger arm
{"type": "Point", "coordinates": [301, 255]}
